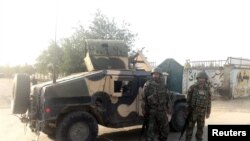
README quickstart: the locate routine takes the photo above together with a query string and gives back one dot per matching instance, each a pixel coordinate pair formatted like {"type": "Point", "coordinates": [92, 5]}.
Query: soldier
{"type": "Point", "coordinates": [154, 106]}
{"type": "Point", "coordinates": [199, 106]}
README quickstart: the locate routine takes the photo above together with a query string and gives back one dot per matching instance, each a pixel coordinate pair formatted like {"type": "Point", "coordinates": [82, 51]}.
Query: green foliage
{"type": "Point", "coordinates": [69, 57]}
{"type": "Point", "coordinates": [73, 56]}
{"type": "Point", "coordinates": [104, 28]}
{"type": "Point", "coordinates": [53, 55]}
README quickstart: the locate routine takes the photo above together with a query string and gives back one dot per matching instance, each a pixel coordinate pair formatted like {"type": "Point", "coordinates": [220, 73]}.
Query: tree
{"type": "Point", "coordinates": [70, 55]}
{"type": "Point", "coordinates": [73, 55]}
{"type": "Point", "coordinates": [53, 55]}
{"type": "Point", "coordinates": [104, 28]}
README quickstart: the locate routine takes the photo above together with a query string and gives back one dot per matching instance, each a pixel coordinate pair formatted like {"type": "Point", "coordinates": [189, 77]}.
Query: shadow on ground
{"type": "Point", "coordinates": [134, 134]}
{"type": "Point", "coordinates": [130, 135]}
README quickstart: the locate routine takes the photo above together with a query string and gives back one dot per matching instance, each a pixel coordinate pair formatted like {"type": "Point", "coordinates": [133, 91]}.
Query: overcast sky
{"type": "Point", "coordinates": [179, 29]}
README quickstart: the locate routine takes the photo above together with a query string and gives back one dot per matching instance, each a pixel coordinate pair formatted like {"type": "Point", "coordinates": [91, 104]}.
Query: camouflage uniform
{"type": "Point", "coordinates": [154, 109]}
{"type": "Point", "coordinates": [199, 104]}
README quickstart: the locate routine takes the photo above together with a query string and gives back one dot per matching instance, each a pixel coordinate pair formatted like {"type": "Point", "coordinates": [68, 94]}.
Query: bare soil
{"type": "Point", "coordinates": [235, 111]}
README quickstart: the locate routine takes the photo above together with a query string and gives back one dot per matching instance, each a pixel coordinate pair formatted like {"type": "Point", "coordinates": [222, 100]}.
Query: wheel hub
{"type": "Point", "coordinates": [79, 131]}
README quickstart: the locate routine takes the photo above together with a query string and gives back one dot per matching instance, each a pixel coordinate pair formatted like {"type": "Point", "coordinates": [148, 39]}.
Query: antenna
{"type": "Point", "coordinates": [54, 50]}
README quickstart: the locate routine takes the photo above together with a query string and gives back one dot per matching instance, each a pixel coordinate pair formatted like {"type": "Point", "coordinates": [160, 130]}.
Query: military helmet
{"type": "Point", "coordinates": [202, 74]}
{"type": "Point", "coordinates": [156, 70]}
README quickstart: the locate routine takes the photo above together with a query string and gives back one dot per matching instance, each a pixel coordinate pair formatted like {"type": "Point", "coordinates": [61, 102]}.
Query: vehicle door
{"type": "Point", "coordinates": [123, 100]}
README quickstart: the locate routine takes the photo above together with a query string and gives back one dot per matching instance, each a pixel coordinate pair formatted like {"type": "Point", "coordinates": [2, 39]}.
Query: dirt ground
{"type": "Point", "coordinates": [235, 111]}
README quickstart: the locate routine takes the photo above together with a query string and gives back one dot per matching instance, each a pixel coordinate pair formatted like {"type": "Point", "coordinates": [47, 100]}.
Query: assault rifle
{"type": "Point", "coordinates": [144, 126]}
{"type": "Point", "coordinates": [186, 123]}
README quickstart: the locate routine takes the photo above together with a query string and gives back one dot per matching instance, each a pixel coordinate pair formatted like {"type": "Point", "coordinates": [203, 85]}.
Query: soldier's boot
{"type": "Point", "coordinates": [189, 133]}
{"type": "Point", "coordinates": [163, 135]}
{"type": "Point", "coordinates": [198, 136]}
{"type": "Point", "coordinates": [188, 138]}
{"type": "Point", "coordinates": [162, 138]}
{"type": "Point", "coordinates": [149, 139]}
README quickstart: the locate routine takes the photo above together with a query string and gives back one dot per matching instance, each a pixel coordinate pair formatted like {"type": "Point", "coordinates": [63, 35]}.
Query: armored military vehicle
{"type": "Point", "coordinates": [108, 94]}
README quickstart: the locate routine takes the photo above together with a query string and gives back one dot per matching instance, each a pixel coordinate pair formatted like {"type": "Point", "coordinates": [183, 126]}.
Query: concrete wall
{"type": "Point", "coordinates": [229, 82]}
{"type": "Point", "coordinates": [239, 82]}
{"type": "Point", "coordinates": [216, 79]}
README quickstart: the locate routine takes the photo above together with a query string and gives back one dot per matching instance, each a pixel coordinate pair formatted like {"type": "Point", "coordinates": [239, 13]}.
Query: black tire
{"type": "Point", "coordinates": [77, 126]}
{"type": "Point", "coordinates": [179, 117]}
{"type": "Point", "coordinates": [21, 93]}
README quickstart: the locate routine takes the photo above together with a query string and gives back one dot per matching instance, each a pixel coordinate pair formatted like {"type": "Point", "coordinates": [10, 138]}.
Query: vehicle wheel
{"type": "Point", "coordinates": [77, 126]}
{"type": "Point", "coordinates": [179, 117]}
{"type": "Point", "coordinates": [21, 93]}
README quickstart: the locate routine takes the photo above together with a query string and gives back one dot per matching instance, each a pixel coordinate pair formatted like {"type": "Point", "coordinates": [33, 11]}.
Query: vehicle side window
{"type": "Point", "coordinates": [127, 87]}
{"type": "Point", "coordinates": [117, 86]}
{"type": "Point", "coordinates": [123, 87]}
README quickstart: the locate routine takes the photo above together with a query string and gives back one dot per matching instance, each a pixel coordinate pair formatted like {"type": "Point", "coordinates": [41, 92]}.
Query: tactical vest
{"type": "Point", "coordinates": [157, 95]}
{"type": "Point", "coordinates": [200, 98]}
